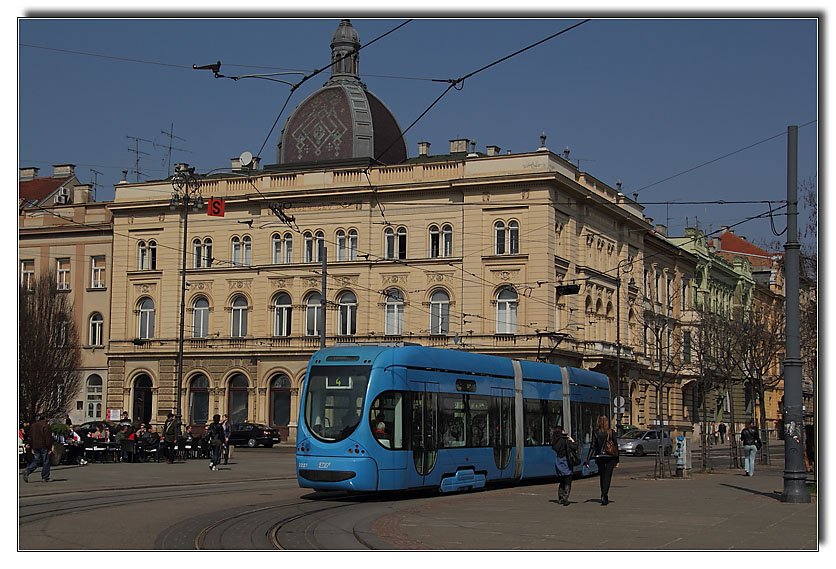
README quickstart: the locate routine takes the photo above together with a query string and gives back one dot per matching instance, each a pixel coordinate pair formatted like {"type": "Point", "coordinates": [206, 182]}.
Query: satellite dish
{"type": "Point", "coordinates": [246, 159]}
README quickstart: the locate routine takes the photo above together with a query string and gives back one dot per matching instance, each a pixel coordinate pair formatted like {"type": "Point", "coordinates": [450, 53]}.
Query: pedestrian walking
{"type": "Point", "coordinates": [40, 438]}
{"type": "Point", "coordinates": [215, 435]}
{"type": "Point", "coordinates": [722, 429]}
{"type": "Point", "coordinates": [604, 448]}
{"type": "Point", "coordinates": [566, 458]}
{"type": "Point", "coordinates": [227, 433]}
{"type": "Point", "coordinates": [751, 440]}
{"type": "Point", "coordinates": [171, 430]}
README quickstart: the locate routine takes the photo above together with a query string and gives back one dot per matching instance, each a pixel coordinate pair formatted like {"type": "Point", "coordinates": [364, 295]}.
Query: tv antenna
{"type": "Point", "coordinates": [171, 137]}
{"type": "Point", "coordinates": [96, 183]}
{"type": "Point", "coordinates": [137, 151]}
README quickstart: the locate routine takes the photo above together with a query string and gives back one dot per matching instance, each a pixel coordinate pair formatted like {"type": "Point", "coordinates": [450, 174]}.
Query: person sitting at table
{"type": "Point", "coordinates": [152, 440]}
{"type": "Point", "coordinates": [74, 448]}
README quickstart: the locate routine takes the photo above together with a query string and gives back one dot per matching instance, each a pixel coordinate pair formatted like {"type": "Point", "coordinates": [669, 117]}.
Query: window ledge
{"type": "Point", "coordinates": [96, 288]}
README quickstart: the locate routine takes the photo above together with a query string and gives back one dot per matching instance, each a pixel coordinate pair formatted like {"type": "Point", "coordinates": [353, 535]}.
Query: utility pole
{"type": "Point", "coordinates": [323, 252]}
{"type": "Point", "coordinates": [795, 476]}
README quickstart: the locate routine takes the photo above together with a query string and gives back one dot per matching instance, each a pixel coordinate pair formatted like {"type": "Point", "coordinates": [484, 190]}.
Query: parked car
{"type": "Point", "coordinates": [641, 442]}
{"type": "Point", "coordinates": [253, 434]}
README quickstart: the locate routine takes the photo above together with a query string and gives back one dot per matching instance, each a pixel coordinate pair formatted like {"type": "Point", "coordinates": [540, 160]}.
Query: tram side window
{"type": "Point", "coordinates": [501, 433]}
{"type": "Point", "coordinates": [386, 420]}
{"type": "Point", "coordinates": [478, 420]}
{"type": "Point", "coordinates": [453, 421]}
{"type": "Point", "coordinates": [554, 415]}
{"type": "Point", "coordinates": [535, 430]}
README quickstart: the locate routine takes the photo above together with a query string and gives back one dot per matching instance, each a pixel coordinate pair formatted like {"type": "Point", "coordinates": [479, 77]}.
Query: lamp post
{"type": "Point", "coordinates": [622, 264]}
{"type": "Point", "coordinates": [186, 185]}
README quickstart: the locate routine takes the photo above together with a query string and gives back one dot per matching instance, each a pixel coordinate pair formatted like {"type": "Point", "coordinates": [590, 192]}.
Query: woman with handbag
{"type": "Point", "coordinates": [604, 448]}
{"type": "Point", "coordinates": [215, 434]}
{"type": "Point", "coordinates": [751, 444]}
{"type": "Point", "coordinates": [566, 458]}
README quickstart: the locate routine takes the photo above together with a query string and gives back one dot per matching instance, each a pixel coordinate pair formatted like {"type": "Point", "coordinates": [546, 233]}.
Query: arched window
{"type": "Point", "coordinates": [499, 237]}
{"type": "Point", "coordinates": [197, 253]}
{"type": "Point", "coordinates": [513, 238]}
{"type": "Point", "coordinates": [352, 244]}
{"type": "Point", "coordinates": [146, 318]}
{"type": "Point", "coordinates": [389, 239]}
{"type": "Point", "coordinates": [94, 397]}
{"type": "Point", "coordinates": [239, 317]}
{"type": "Point", "coordinates": [288, 248]}
{"type": "Point", "coordinates": [401, 243]}
{"type": "Point", "coordinates": [313, 306]}
{"type": "Point", "coordinates": [309, 247]}
{"type": "Point", "coordinates": [147, 255]}
{"type": "Point", "coordinates": [395, 243]}
{"type": "Point", "coordinates": [281, 315]}
{"type": "Point", "coordinates": [439, 313]}
{"type": "Point", "coordinates": [319, 243]}
{"type": "Point", "coordinates": [238, 398]}
{"type": "Point", "coordinates": [199, 400]}
{"type": "Point", "coordinates": [236, 251]}
{"type": "Point", "coordinates": [447, 241]}
{"type": "Point", "coordinates": [247, 250]}
{"type": "Point", "coordinates": [277, 248]}
{"type": "Point", "coordinates": [207, 252]}
{"type": "Point", "coordinates": [341, 246]}
{"type": "Point", "coordinates": [435, 242]}
{"type": "Point", "coordinates": [609, 323]}
{"type": "Point", "coordinates": [96, 336]}
{"type": "Point", "coordinates": [280, 400]}
{"type": "Point", "coordinates": [348, 314]}
{"type": "Point", "coordinates": [200, 319]}
{"type": "Point", "coordinates": [506, 312]}
{"type": "Point", "coordinates": [393, 318]}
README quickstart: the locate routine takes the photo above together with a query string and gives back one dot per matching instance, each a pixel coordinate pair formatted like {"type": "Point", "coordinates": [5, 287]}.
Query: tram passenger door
{"type": "Point", "coordinates": [424, 432]}
{"type": "Point", "coordinates": [502, 430]}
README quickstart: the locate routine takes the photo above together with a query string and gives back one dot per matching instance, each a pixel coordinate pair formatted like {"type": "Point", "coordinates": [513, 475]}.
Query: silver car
{"type": "Point", "coordinates": [641, 442]}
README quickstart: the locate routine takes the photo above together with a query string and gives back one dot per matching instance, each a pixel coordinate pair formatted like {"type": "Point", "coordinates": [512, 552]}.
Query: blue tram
{"type": "Point", "coordinates": [394, 417]}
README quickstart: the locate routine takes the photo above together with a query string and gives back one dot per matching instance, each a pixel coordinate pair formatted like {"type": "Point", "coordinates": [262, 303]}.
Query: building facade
{"type": "Point", "coordinates": [67, 233]}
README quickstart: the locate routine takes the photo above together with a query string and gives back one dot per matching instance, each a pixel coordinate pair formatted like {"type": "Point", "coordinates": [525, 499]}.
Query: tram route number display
{"type": "Point", "coordinates": [338, 383]}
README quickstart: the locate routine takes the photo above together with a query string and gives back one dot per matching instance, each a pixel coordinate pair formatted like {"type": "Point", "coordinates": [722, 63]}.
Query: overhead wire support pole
{"type": "Point", "coordinates": [795, 476]}
{"type": "Point", "coordinates": [323, 251]}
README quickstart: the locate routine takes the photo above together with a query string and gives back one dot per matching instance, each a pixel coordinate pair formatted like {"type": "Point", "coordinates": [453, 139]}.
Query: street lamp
{"type": "Point", "coordinates": [186, 186]}
{"type": "Point", "coordinates": [622, 267]}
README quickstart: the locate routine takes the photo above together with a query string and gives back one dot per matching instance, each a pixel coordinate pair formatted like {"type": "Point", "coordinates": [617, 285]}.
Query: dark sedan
{"type": "Point", "coordinates": [252, 435]}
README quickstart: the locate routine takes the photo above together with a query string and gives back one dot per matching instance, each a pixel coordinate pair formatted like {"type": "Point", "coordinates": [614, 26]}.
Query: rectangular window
{"type": "Point", "coordinates": [97, 272]}
{"type": "Point", "coordinates": [63, 274]}
{"type": "Point", "coordinates": [686, 347]}
{"type": "Point", "coordinates": [27, 274]}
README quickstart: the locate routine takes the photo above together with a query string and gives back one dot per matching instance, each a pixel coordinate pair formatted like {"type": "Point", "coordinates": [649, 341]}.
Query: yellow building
{"type": "Point", "coordinates": [61, 229]}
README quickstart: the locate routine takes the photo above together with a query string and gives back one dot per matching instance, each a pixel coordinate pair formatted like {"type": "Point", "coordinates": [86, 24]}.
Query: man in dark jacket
{"type": "Point", "coordinates": [171, 430]}
{"type": "Point", "coordinates": [40, 437]}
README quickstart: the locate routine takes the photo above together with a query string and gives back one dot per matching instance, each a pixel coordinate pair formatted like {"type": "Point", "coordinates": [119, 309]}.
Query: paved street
{"type": "Point", "coordinates": [718, 511]}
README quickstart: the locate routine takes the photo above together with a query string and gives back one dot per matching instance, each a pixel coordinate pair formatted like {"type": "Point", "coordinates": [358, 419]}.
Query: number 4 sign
{"type": "Point", "coordinates": [216, 207]}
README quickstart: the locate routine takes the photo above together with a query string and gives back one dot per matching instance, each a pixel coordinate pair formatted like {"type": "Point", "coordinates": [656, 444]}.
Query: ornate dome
{"type": "Point", "coordinates": [342, 119]}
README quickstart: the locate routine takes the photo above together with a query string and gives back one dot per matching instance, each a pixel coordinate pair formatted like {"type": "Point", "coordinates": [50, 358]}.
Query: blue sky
{"type": "Point", "coordinates": [640, 100]}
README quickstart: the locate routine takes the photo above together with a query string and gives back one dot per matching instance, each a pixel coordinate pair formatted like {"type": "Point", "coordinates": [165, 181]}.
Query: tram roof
{"type": "Point", "coordinates": [415, 355]}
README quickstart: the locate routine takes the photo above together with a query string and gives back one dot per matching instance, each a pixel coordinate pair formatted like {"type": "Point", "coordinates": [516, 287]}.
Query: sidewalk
{"type": "Point", "coordinates": [719, 511]}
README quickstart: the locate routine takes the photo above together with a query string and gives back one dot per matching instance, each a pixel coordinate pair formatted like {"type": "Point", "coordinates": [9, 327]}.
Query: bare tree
{"type": "Point", "coordinates": [667, 363]}
{"type": "Point", "coordinates": [48, 350]}
{"type": "Point", "coordinates": [762, 343]}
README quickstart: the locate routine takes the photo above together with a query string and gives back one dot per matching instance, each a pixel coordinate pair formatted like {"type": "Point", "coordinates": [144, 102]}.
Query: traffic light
{"type": "Point", "coordinates": [568, 289]}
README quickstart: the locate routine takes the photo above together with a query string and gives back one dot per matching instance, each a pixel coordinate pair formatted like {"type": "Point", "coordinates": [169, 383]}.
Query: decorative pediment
{"type": "Point", "coordinates": [280, 282]}
{"type": "Point", "coordinates": [243, 284]}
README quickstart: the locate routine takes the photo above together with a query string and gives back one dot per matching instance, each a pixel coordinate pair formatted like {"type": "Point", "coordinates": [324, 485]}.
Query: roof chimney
{"type": "Point", "coordinates": [29, 173]}
{"type": "Point", "coordinates": [63, 170]}
{"type": "Point", "coordinates": [493, 150]}
{"type": "Point", "coordinates": [472, 153]}
{"type": "Point", "coordinates": [458, 145]}
{"type": "Point", "coordinates": [423, 149]}
{"type": "Point", "coordinates": [662, 229]}
{"type": "Point", "coordinates": [83, 193]}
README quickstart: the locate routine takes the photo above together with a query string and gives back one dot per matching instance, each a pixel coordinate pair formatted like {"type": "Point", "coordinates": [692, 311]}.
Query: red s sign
{"type": "Point", "coordinates": [216, 207]}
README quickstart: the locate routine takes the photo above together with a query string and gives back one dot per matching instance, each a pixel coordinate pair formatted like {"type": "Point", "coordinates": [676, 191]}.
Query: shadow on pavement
{"type": "Point", "coordinates": [772, 495]}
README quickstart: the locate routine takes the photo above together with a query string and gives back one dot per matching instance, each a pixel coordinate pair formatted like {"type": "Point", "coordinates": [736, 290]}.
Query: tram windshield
{"type": "Point", "coordinates": [334, 400]}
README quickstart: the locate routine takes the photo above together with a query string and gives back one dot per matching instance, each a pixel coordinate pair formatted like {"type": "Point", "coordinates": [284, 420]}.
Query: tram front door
{"type": "Point", "coordinates": [424, 445]}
